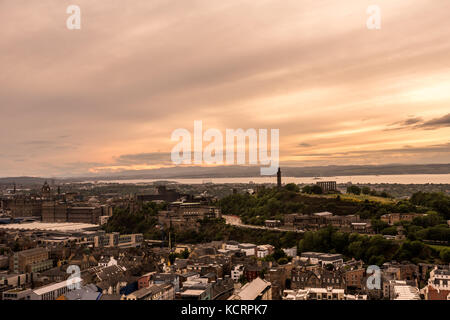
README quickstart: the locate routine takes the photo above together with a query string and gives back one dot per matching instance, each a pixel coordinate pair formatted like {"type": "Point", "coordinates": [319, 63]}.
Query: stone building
{"type": "Point", "coordinates": [54, 207]}
{"type": "Point", "coordinates": [327, 186]}
{"type": "Point", "coordinates": [354, 279]}
{"type": "Point", "coordinates": [438, 287]}
{"type": "Point", "coordinates": [302, 278]}
{"type": "Point", "coordinates": [32, 260]}
{"type": "Point", "coordinates": [54, 211]}
{"type": "Point", "coordinates": [185, 215]}
{"type": "Point", "coordinates": [22, 206]}
{"type": "Point", "coordinates": [392, 218]}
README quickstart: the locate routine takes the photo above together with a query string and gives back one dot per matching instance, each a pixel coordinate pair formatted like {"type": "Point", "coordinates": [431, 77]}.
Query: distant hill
{"type": "Point", "coordinates": [25, 180]}
{"type": "Point", "coordinates": [248, 171]}
{"type": "Point", "coordinates": [254, 171]}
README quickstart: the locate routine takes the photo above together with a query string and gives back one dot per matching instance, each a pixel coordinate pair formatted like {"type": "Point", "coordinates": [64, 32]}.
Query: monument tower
{"type": "Point", "coordinates": [279, 178]}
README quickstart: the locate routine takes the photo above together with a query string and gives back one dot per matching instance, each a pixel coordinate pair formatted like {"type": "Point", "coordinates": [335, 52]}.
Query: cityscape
{"type": "Point", "coordinates": [230, 158]}
{"type": "Point", "coordinates": [156, 241]}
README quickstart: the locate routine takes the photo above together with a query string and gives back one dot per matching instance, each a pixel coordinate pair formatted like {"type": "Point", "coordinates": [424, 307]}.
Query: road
{"type": "Point", "coordinates": [236, 221]}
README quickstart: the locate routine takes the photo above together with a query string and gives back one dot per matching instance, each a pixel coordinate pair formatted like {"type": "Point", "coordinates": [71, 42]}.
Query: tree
{"type": "Point", "coordinates": [316, 189]}
{"type": "Point", "coordinates": [278, 254]}
{"type": "Point", "coordinates": [437, 201]}
{"type": "Point", "coordinates": [392, 231]}
{"type": "Point", "coordinates": [445, 255]}
{"type": "Point", "coordinates": [413, 251]}
{"type": "Point", "coordinates": [365, 190]}
{"type": "Point", "coordinates": [292, 187]}
{"type": "Point", "coordinates": [431, 219]}
{"type": "Point", "coordinates": [384, 194]}
{"type": "Point", "coordinates": [354, 190]}
{"type": "Point", "coordinates": [378, 225]}
{"type": "Point", "coordinates": [307, 189]}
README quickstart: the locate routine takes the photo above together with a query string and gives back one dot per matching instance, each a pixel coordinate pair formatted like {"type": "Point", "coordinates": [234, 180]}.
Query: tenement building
{"type": "Point", "coordinates": [302, 278]}
{"type": "Point", "coordinates": [438, 287]}
{"type": "Point", "coordinates": [32, 260]}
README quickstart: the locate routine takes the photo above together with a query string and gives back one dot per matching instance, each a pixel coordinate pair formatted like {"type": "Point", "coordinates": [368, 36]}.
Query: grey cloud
{"type": "Point", "coordinates": [144, 158]}
{"type": "Point", "coordinates": [437, 123]}
{"type": "Point", "coordinates": [304, 145]}
{"type": "Point", "coordinates": [441, 148]}
{"type": "Point", "coordinates": [420, 123]}
{"type": "Point", "coordinates": [409, 122]}
{"type": "Point", "coordinates": [412, 121]}
{"type": "Point", "coordinates": [404, 124]}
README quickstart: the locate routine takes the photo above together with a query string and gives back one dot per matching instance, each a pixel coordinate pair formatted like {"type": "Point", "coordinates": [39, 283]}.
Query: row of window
{"type": "Point", "coordinates": [302, 279]}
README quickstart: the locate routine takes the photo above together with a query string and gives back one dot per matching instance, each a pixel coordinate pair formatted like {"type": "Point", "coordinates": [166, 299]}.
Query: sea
{"type": "Point", "coordinates": [364, 179]}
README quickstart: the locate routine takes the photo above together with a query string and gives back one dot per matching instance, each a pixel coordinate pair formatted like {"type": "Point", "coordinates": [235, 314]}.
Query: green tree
{"type": "Point", "coordinates": [316, 189]}
{"type": "Point", "coordinates": [389, 231]}
{"type": "Point", "coordinates": [292, 187]}
{"type": "Point", "coordinates": [354, 189]}
{"type": "Point", "coordinates": [445, 255]}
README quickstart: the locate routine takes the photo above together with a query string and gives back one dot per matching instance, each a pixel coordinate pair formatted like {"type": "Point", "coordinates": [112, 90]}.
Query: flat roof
{"type": "Point", "coordinates": [192, 292]}
{"type": "Point", "coordinates": [324, 213]}
{"type": "Point", "coordinates": [247, 245]}
{"type": "Point", "coordinates": [44, 226]}
{"type": "Point", "coordinates": [56, 286]}
{"type": "Point", "coordinates": [403, 292]}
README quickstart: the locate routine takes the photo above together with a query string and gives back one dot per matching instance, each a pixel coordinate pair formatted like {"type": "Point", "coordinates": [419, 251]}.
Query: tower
{"type": "Point", "coordinates": [46, 191]}
{"type": "Point", "coordinates": [279, 178]}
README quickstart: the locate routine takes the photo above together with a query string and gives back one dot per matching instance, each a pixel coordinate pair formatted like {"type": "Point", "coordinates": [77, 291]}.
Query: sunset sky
{"type": "Point", "coordinates": [107, 97]}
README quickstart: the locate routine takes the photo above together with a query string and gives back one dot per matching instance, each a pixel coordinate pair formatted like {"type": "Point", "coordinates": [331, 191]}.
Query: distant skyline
{"type": "Point", "coordinates": [107, 97]}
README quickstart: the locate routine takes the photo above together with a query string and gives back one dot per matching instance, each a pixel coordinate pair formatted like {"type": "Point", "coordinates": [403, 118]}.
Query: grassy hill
{"type": "Point", "coordinates": [273, 203]}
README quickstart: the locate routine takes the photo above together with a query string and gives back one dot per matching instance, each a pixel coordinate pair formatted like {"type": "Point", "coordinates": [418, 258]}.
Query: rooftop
{"type": "Point", "coordinates": [152, 289]}
{"type": "Point", "coordinates": [406, 293]}
{"type": "Point", "coordinates": [192, 292]}
{"type": "Point", "coordinates": [323, 214]}
{"type": "Point", "coordinates": [253, 289]}
{"type": "Point", "coordinates": [38, 226]}
{"type": "Point", "coordinates": [56, 286]}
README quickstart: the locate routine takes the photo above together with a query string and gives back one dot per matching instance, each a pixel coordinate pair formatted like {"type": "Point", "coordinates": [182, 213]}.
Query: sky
{"type": "Point", "coordinates": [108, 96]}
